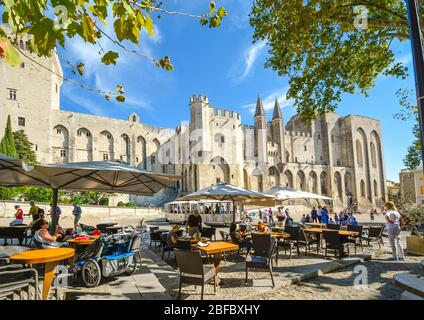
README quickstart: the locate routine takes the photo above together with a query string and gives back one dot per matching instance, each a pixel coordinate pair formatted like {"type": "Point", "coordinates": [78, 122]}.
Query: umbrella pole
{"type": "Point", "coordinates": [54, 207]}
{"type": "Point", "coordinates": [234, 211]}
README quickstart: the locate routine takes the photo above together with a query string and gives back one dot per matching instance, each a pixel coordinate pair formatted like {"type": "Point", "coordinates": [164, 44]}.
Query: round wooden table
{"type": "Point", "coordinates": [76, 242]}
{"type": "Point", "coordinates": [49, 257]}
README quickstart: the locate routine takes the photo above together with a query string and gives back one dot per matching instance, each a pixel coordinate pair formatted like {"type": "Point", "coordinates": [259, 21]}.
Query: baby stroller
{"type": "Point", "coordinates": [109, 256]}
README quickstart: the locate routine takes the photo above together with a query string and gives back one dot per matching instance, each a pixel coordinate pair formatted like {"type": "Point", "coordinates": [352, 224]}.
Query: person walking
{"type": "Point", "coordinates": [270, 217]}
{"type": "Point", "coordinates": [314, 215]}
{"type": "Point", "coordinates": [281, 216]}
{"type": "Point", "coordinates": [393, 224]}
{"type": "Point", "coordinates": [33, 211]}
{"type": "Point", "coordinates": [194, 224]}
{"type": "Point", "coordinates": [77, 212]}
{"type": "Point", "coordinates": [319, 214]}
{"type": "Point", "coordinates": [55, 216]}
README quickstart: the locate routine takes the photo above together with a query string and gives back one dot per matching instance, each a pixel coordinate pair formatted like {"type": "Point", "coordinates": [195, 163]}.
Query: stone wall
{"type": "Point", "coordinates": [7, 210]}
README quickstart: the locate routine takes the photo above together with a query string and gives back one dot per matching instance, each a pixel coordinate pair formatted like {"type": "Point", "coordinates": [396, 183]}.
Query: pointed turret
{"type": "Point", "coordinates": [277, 111]}
{"type": "Point", "coordinates": [259, 108]}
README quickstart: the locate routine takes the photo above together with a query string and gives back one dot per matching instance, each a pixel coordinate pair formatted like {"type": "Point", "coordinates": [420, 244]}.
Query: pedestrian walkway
{"type": "Point", "coordinates": [148, 283]}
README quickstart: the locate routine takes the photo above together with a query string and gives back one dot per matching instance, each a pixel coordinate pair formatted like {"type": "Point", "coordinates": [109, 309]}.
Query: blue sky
{"type": "Point", "coordinates": [223, 64]}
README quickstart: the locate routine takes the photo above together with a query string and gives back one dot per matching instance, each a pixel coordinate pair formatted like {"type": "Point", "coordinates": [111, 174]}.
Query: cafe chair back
{"type": "Point", "coordinates": [261, 257]}
{"type": "Point", "coordinates": [192, 270]}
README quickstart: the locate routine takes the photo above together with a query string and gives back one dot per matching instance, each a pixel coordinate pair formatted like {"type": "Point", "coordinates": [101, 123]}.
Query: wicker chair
{"type": "Point", "coordinates": [192, 270]}
{"type": "Point", "coordinates": [264, 247]}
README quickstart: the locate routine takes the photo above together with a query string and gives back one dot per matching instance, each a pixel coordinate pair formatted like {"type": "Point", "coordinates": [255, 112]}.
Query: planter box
{"type": "Point", "coordinates": [415, 245]}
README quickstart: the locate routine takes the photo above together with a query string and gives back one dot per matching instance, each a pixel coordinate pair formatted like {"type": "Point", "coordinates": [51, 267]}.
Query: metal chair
{"type": "Point", "coordinates": [225, 236]}
{"type": "Point", "coordinates": [208, 233]}
{"type": "Point", "coordinates": [136, 247]}
{"type": "Point", "coordinates": [16, 281]}
{"type": "Point", "coordinates": [164, 245]}
{"type": "Point", "coordinates": [332, 226]}
{"type": "Point", "coordinates": [374, 234]}
{"type": "Point", "coordinates": [152, 229]}
{"type": "Point", "coordinates": [334, 242]}
{"type": "Point", "coordinates": [263, 250]}
{"type": "Point", "coordinates": [192, 270]}
{"type": "Point", "coordinates": [183, 244]}
{"type": "Point", "coordinates": [354, 239]}
{"type": "Point", "coordinates": [154, 238]}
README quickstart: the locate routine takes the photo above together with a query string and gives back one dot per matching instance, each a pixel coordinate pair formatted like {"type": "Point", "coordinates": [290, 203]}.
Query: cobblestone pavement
{"type": "Point", "coordinates": [339, 285]}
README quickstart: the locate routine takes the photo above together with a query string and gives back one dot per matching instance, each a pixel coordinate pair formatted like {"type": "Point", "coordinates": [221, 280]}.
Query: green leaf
{"type": "Point", "coordinates": [120, 98]}
{"type": "Point", "coordinates": [149, 26]}
{"type": "Point", "coordinates": [12, 55]}
{"type": "Point", "coordinates": [110, 57]}
{"type": "Point", "coordinates": [120, 89]}
{"type": "Point", "coordinates": [80, 68]}
{"type": "Point", "coordinates": [107, 97]}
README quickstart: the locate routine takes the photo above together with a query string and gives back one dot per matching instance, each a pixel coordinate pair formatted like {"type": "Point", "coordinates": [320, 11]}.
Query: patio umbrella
{"type": "Point", "coordinates": [14, 172]}
{"type": "Point", "coordinates": [225, 191]}
{"type": "Point", "coordinates": [103, 176]}
{"type": "Point", "coordinates": [283, 193]}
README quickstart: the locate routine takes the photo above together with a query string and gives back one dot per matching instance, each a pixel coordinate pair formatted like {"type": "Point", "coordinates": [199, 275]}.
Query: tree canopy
{"type": "Point", "coordinates": [55, 22]}
{"type": "Point", "coordinates": [328, 48]}
{"type": "Point", "coordinates": [24, 147]}
{"type": "Point", "coordinates": [7, 144]}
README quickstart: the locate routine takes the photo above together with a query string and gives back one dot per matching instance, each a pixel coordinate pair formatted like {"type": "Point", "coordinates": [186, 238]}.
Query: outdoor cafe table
{"type": "Point", "coordinates": [76, 242]}
{"type": "Point", "coordinates": [341, 232]}
{"type": "Point", "coordinates": [49, 257]}
{"type": "Point", "coordinates": [217, 249]}
{"type": "Point", "coordinates": [277, 235]}
{"type": "Point", "coordinates": [318, 232]}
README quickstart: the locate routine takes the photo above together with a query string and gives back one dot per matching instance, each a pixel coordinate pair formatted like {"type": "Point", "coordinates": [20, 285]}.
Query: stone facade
{"type": "Point", "coordinates": [341, 157]}
{"type": "Point", "coordinates": [412, 185]}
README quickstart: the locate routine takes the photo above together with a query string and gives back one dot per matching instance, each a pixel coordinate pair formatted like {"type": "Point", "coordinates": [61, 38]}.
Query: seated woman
{"type": "Point", "coordinates": [19, 216]}
{"type": "Point", "coordinates": [238, 237]}
{"type": "Point", "coordinates": [263, 228]}
{"type": "Point", "coordinates": [171, 239]}
{"type": "Point", "coordinates": [44, 238]}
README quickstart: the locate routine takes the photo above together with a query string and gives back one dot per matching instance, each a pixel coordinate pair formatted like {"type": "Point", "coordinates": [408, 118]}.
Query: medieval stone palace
{"type": "Point", "coordinates": [341, 157]}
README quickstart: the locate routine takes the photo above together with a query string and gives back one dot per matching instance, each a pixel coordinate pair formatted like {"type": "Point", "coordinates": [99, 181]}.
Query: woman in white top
{"type": "Point", "coordinates": [393, 219]}
{"type": "Point", "coordinates": [44, 238]}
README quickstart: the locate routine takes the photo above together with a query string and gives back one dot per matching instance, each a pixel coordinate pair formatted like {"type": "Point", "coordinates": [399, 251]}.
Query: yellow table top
{"type": "Point", "coordinates": [341, 232]}
{"type": "Point", "coordinates": [217, 247]}
{"type": "Point", "coordinates": [43, 255]}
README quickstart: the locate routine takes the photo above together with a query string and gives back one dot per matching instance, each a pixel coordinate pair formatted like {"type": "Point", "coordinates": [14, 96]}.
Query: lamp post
{"type": "Point", "coordinates": [418, 58]}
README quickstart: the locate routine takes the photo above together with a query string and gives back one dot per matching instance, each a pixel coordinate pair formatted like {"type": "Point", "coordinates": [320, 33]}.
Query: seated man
{"type": "Point", "coordinates": [44, 238]}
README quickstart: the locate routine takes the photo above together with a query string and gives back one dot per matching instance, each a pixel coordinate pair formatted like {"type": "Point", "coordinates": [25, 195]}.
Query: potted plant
{"type": "Point", "coordinates": [414, 222]}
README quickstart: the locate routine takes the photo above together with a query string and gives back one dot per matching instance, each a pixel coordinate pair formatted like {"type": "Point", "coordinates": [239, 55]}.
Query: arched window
{"type": "Point", "coordinates": [323, 179]}
{"type": "Point", "coordinates": [375, 189]}
{"type": "Point", "coordinates": [373, 155]}
{"type": "Point", "coordinates": [289, 178]}
{"type": "Point", "coordinates": [301, 183]}
{"type": "Point", "coordinates": [338, 183]}
{"type": "Point", "coordinates": [359, 154]}
{"type": "Point", "coordinates": [363, 189]}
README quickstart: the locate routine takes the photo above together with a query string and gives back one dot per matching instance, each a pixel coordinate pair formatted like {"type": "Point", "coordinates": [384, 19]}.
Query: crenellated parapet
{"type": "Point", "coordinates": [199, 98]}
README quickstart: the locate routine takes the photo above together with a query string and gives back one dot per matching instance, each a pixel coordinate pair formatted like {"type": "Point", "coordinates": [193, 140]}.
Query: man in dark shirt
{"type": "Point", "coordinates": [194, 223]}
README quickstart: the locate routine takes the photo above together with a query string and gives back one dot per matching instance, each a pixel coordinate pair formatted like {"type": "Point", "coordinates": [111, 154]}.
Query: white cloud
{"type": "Point", "coordinates": [241, 70]}
{"type": "Point", "coordinates": [269, 101]}
{"type": "Point", "coordinates": [251, 55]}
